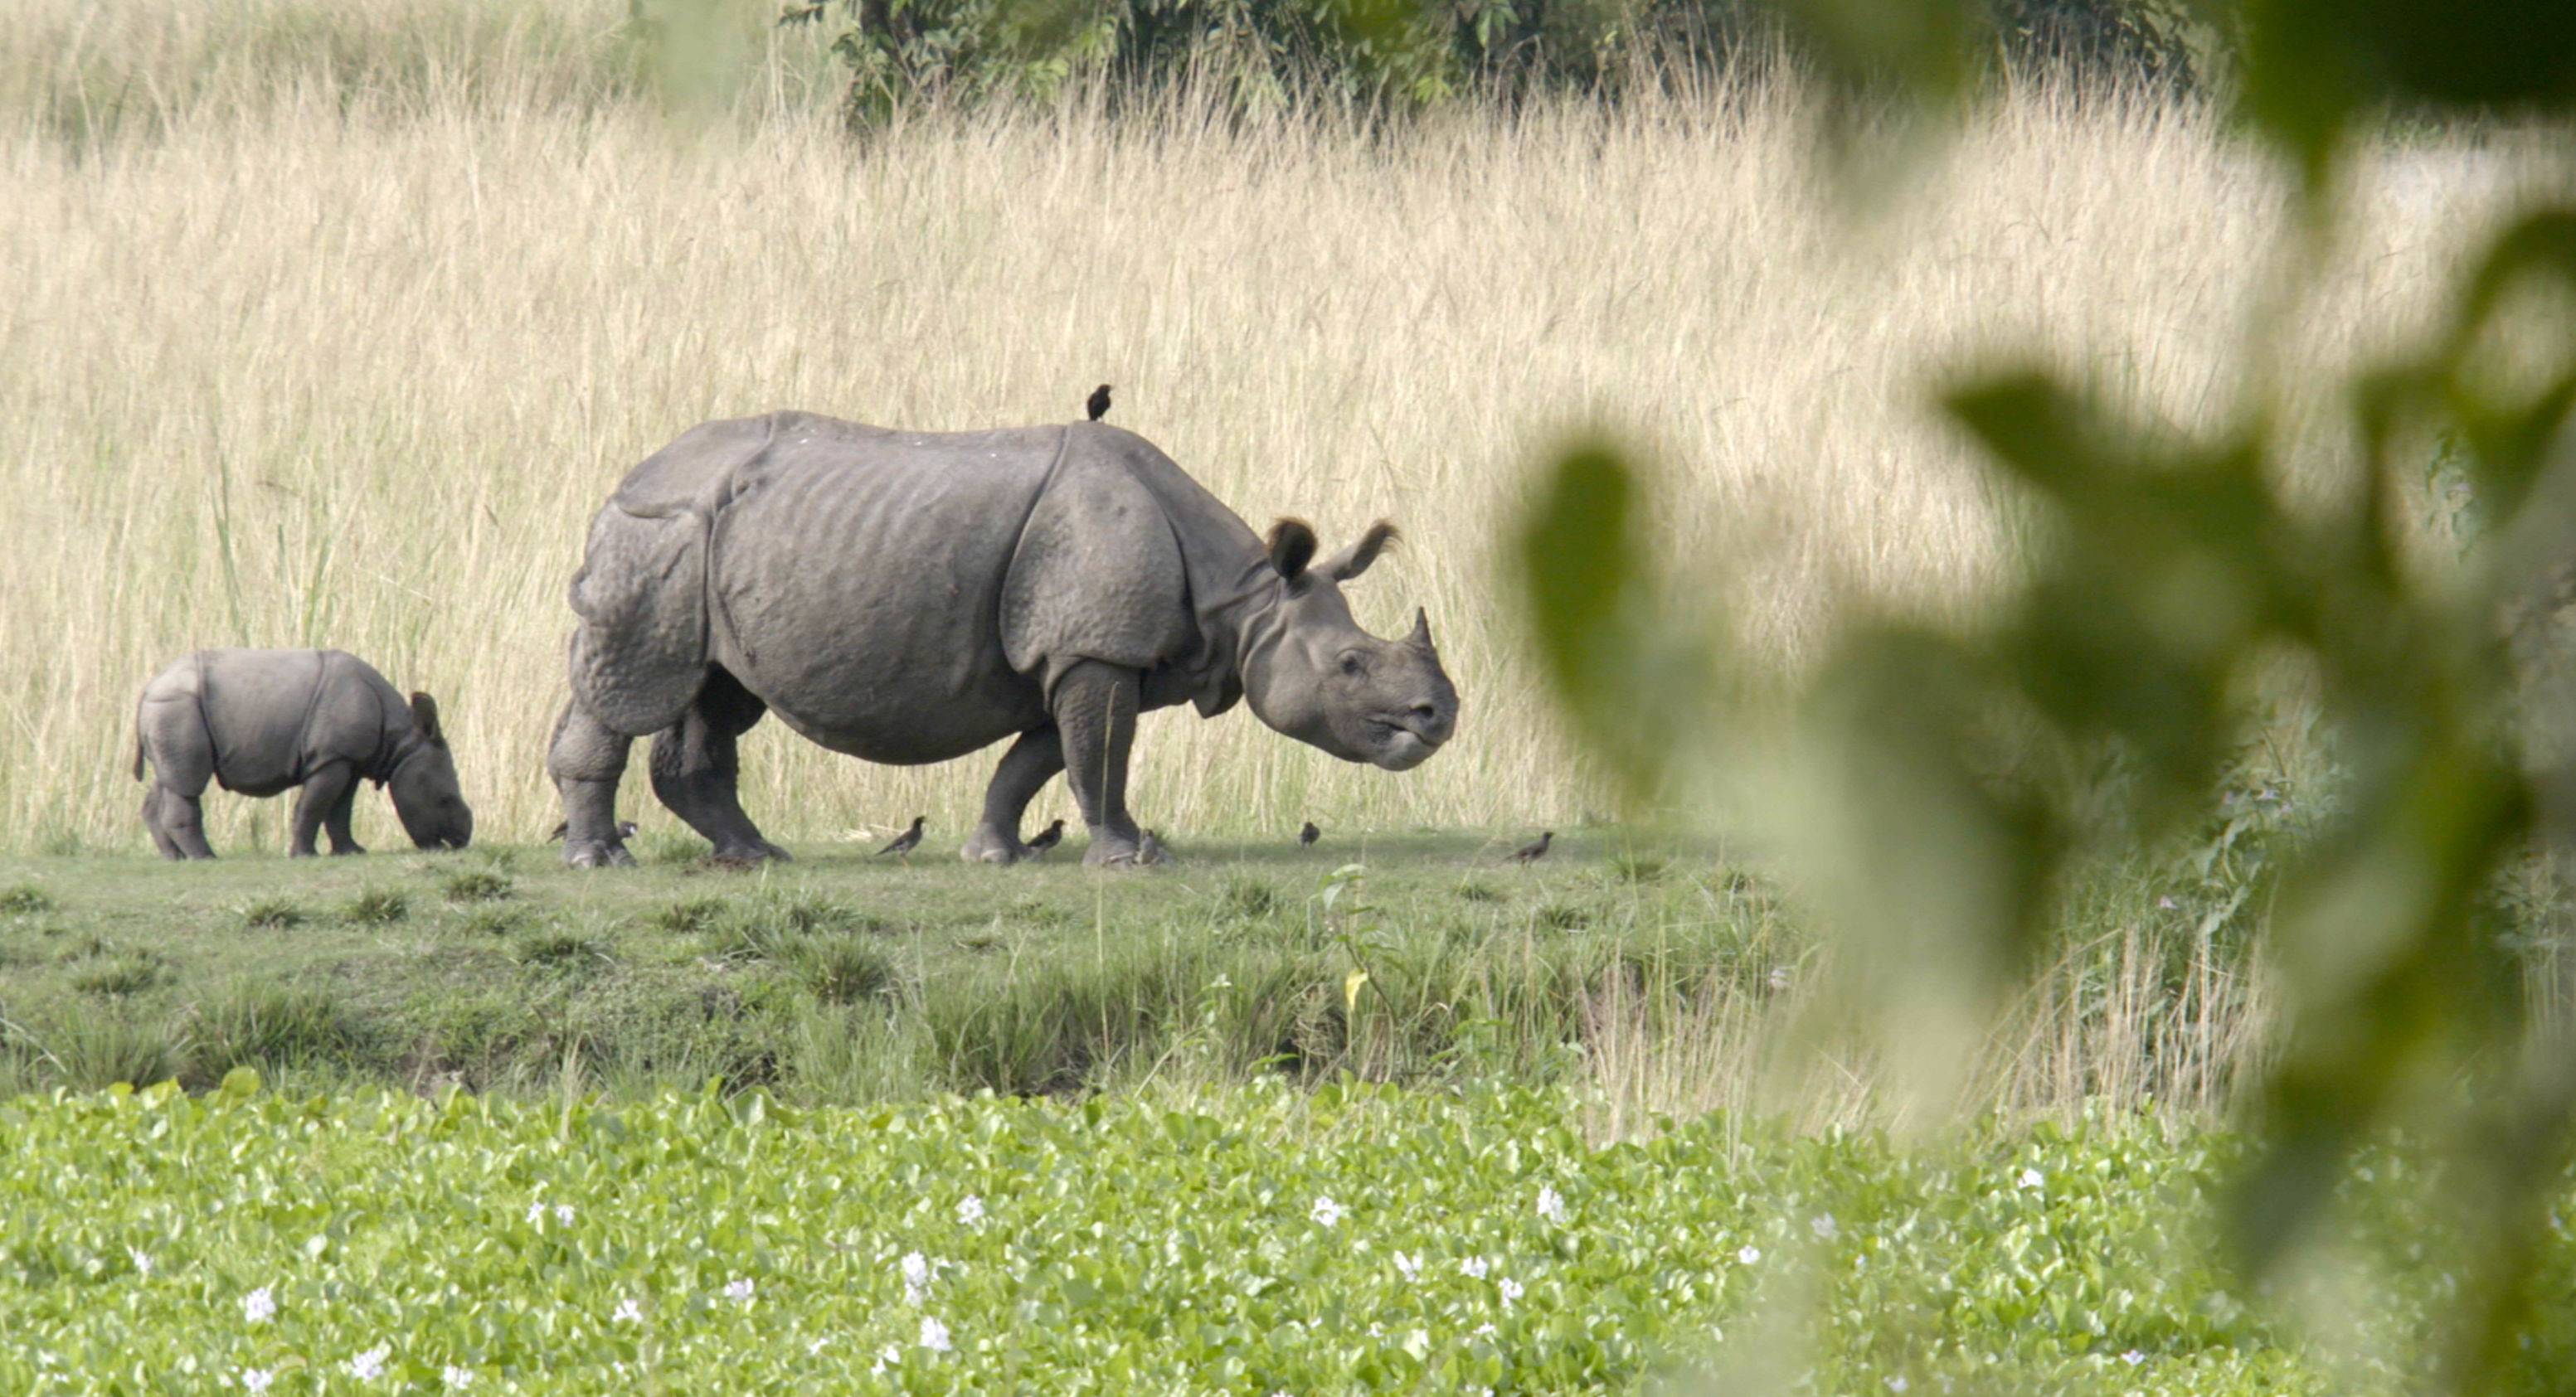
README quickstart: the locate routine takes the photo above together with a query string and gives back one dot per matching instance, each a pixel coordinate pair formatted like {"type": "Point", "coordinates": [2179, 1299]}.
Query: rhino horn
{"type": "Point", "coordinates": [1421, 637]}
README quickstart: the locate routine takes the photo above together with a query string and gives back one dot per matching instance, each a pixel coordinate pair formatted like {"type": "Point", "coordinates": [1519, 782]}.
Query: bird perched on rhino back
{"type": "Point", "coordinates": [910, 597]}
{"type": "Point", "coordinates": [1098, 403]}
{"type": "Point", "coordinates": [262, 721]}
{"type": "Point", "coordinates": [905, 842]}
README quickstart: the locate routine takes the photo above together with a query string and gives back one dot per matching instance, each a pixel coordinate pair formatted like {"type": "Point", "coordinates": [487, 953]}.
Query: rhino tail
{"type": "Point", "coordinates": [138, 749]}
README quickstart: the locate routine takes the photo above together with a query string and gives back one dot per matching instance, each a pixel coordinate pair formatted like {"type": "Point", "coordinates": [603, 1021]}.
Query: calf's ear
{"type": "Point", "coordinates": [424, 716]}
{"type": "Point", "coordinates": [1354, 560]}
{"type": "Point", "coordinates": [1292, 546]}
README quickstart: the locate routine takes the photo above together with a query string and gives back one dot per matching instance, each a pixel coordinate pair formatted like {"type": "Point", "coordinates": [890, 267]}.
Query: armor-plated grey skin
{"type": "Point", "coordinates": [911, 597]}
{"type": "Point", "coordinates": [260, 721]}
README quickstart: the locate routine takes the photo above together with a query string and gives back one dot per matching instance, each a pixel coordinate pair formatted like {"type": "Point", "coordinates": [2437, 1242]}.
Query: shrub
{"type": "Point", "coordinates": [377, 907]}
{"type": "Point", "coordinates": [126, 974]}
{"type": "Point", "coordinates": [24, 899]}
{"type": "Point", "coordinates": [476, 885]}
{"type": "Point", "coordinates": [273, 1028]}
{"type": "Point", "coordinates": [275, 913]}
{"type": "Point", "coordinates": [842, 969]}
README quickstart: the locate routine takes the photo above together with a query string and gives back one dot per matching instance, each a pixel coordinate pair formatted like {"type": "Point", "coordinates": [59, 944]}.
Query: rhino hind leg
{"type": "Point", "coordinates": [171, 730]}
{"type": "Point", "coordinates": [587, 759]}
{"type": "Point", "coordinates": [1095, 717]}
{"type": "Point", "coordinates": [1032, 761]}
{"type": "Point", "coordinates": [696, 771]}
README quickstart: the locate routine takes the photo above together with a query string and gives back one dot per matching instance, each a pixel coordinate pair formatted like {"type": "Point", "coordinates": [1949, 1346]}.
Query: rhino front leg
{"type": "Point", "coordinates": [1095, 719]}
{"type": "Point", "coordinates": [331, 790]}
{"type": "Point", "coordinates": [335, 821]}
{"type": "Point", "coordinates": [1032, 761]}
{"type": "Point", "coordinates": [696, 771]}
{"type": "Point", "coordinates": [586, 760]}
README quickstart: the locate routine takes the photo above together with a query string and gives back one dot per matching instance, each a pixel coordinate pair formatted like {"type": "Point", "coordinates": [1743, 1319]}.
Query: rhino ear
{"type": "Point", "coordinates": [1292, 546]}
{"type": "Point", "coordinates": [424, 716]}
{"type": "Point", "coordinates": [1354, 560]}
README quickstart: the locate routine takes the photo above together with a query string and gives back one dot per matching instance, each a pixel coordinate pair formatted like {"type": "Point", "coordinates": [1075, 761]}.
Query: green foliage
{"type": "Point", "coordinates": [1258, 56]}
{"type": "Point", "coordinates": [124, 974]}
{"type": "Point", "coordinates": [278, 1029]}
{"type": "Point", "coordinates": [1351, 1240]}
{"type": "Point", "coordinates": [475, 885]}
{"type": "Point", "coordinates": [377, 907]}
{"type": "Point", "coordinates": [1965, 774]}
{"type": "Point", "coordinates": [272, 913]}
{"type": "Point", "coordinates": [25, 899]}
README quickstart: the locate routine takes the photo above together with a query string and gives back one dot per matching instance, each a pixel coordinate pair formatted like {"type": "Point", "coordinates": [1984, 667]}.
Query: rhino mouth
{"type": "Point", "coordinates": [1397, 747]}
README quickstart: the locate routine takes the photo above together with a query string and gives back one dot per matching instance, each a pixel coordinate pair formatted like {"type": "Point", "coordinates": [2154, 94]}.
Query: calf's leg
{"type": "Point", "coordinates": [696, 770]}
{"type": "Point", "coordinates": [1032, 761]}
{"type": "Point", "coordinates": [336, 820]}
{"type": "Point", "coordinates": [1095, 718]}
{"type": "Point", "coordinates": [586, 760]}
{"type": "Point", "coordinates": [332, 787]}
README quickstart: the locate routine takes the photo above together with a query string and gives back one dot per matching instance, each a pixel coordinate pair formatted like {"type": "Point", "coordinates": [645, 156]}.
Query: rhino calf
{"type": "Point", "coordinates": [259, 721]}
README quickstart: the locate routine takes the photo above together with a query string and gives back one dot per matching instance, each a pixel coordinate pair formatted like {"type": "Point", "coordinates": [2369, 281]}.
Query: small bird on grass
{"type": "Point", "coordinates": [905, 842]}
{"type": "Point", "coordinates": [1535, 850]}
{"type": "Point", "coordinates": [1047, 838]}
{"type": "Point", "coordinates": [1306, 837]}
{"type": "Point", "coordinates": [1151, 849]}
{"type": "Point", "coordinates": [1098, 405]}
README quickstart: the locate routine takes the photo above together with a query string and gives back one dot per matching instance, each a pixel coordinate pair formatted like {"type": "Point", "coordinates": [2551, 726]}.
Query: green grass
{"type": "Point", "coordinates": [839, 978]}
{"type": "Point", "coordinates": [1348, 1240]}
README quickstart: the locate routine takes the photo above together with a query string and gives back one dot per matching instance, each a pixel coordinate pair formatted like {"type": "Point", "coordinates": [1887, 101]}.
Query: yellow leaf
{"type": "Point", "coordinates": [1351, 991]}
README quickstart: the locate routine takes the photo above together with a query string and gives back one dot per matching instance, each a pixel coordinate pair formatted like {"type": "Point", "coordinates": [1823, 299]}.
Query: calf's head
{"type": "Point", "coordinates": [426, 797]}
{"type": "Point", "coordinates": [1313, 674]}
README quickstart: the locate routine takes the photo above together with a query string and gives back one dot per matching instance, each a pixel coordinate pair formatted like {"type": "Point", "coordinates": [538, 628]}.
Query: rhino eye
{"type": "Point", "coordinates": [1354, 665]}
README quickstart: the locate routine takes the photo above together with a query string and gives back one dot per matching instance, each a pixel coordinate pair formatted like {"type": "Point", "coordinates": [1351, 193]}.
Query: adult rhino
{"type": "Point", "coordinates": [909, 597]}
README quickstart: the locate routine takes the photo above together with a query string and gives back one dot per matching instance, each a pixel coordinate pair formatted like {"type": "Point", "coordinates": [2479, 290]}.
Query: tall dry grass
{"type": "Point", "coordinates": [340, 341]}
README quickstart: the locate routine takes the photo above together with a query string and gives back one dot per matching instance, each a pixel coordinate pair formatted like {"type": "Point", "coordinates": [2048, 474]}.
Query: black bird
{"type": "Point", "coordinates": [1534, 851]}
{"type": "Point", "coordinates": [1099, 403]}
{"type": "Point", "coordinates": [1047, 838]}
{"type": "Point", "coordinates": [1151, 849]}
{"type": "Point", "coordinates": [905, 842]}
{"type": "Point", "coordinates": [1306, 837]}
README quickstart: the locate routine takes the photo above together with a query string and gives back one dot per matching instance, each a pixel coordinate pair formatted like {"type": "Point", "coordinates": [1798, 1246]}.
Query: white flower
{"type": "Point", "coordinates": [970, 1209]}
{"type": "Point", "coordinates": [627, 1312]}
{"type": "Point", "coordinates": [1409, 1267]}
{"type": "Point", "coordinates": [1824, 1227]}
{"type": "Point", "coordinates": [2133, 1358]}
{"type": "Point", "coordinates": [257, 1379]}
{"type": "Point", "coordinates": [886, 1355]}
{"type": "Point", "coordinates": [563, 1214]}
{"type": "Point", "coordinates": [536, 1213]}
{"type": "Point", "coordinates": [817, 1345]}
{"type": "Point", "coordinates": [1474, 1266]}
{"type": "Point", "coordinates": [142, 1263]}
{"type": "Point", "coordinates": [1327, 1211]}
{"type": "Point", "coordinates": [457, 1379]}
{"type": "Point", "coordinates": [2165, 903]}
{"type": "Point", "coordinates": [258, 1306]}
{"type": "Point", "coordinates": [1551, 1204]}
{"type": "Point", "coordinates": [916, 1270]}
{"type": "Point", "coordinates": [1897, 1383]}
{"type": "Point", "coordinates": [934, 1335]}
{"type": "Point", "coordinates": [1750, 1254]}
{"type": "Point", "coordinates": [738, 1291]}
{"type": "Point", "coordinates": [1510, 1288]}
{"type": "Point", "coordinates": [370, 1364]}
{"type": "Point", "coordinates": [2030, 1178]}
{"type": "Point", "coordinates": [1483, 1329]}
{"type": "Point", "coordinates": [1779, 977]}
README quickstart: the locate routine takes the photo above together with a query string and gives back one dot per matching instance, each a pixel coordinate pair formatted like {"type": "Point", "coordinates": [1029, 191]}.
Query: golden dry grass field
{"type": "Point", "coordinates": [331, 324]}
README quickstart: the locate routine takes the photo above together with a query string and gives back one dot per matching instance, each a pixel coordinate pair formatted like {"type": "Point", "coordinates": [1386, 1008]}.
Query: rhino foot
{"type": "Point", "coordinates": [987, 845]}
{"type": "Point", "coordinates": [755, 851]}
{"type": "Point", "coordinates": [597, 853]}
